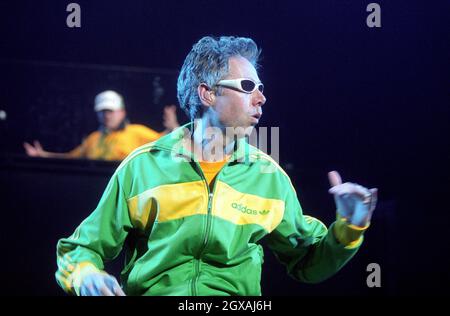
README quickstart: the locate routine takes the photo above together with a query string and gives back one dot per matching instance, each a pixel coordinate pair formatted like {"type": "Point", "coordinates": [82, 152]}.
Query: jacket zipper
{"type": "Point", "coordinates": [208, 226]}
{"type": "Point", "coordinates": [208, 222]}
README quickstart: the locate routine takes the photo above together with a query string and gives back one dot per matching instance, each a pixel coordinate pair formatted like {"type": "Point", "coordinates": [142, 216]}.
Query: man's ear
{"type": "Point", "coordinates": [206, 94]}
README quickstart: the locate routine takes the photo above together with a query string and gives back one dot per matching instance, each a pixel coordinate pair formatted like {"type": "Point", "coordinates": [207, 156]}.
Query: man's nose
{"type": "Point", "coordinates": [258, 98]}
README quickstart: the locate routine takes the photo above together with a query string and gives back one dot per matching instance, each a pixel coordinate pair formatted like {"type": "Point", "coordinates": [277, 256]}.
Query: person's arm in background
{"type": "Point", "coordinates": [170, 120]}
{"type": "Point", "coordinates": [310, 251]}
{"type": "Point", "coordinates": [99, 238]}
{"type": "Point", "coordinates": [36, 150]}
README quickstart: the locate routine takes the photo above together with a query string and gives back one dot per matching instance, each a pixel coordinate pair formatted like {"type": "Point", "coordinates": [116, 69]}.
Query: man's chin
{"type": "Point", "coordinates": [254, 121]}
{"type": "Point", "coordinates": [240, 131]}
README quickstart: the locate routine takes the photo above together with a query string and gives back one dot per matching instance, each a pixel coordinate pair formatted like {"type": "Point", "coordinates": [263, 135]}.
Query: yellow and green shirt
{"type": "Point", "coordinates": [114, 145]}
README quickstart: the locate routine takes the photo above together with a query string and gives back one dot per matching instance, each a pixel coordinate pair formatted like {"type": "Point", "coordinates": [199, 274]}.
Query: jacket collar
{"type": "Point", "coordinates": [174, 141]}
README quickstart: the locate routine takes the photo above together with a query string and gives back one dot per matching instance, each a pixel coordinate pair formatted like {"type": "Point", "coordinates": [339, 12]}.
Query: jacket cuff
{"type": "Point", "coordinates": [350, 236]}
{"type": "Point", "coordinates": [81, 270]}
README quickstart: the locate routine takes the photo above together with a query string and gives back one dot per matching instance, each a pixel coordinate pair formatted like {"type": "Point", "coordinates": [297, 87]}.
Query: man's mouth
{"type": "Point", "coordinates": [257, 116]}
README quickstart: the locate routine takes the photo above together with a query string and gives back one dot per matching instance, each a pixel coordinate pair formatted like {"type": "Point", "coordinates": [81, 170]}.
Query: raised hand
{"type": "Point", "coordinates": [170, 120]}
{"type": "Point", "coordinates": [354, 202]}
{"type": "Point", "coordinates": [34, 151]}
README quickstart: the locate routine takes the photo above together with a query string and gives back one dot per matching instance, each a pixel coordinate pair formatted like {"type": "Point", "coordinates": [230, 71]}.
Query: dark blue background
{"type": "Point", "coordinates": [371, 103]}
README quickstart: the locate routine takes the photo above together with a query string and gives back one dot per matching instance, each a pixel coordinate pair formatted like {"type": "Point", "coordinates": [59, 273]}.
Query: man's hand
{"type": "Point", "coordinates": [34, 151]}
{"type": "Point", "coordinates": [354, 202]}
{"type": "Point", "coordinates": [170, 120]}
{"type": "Point", "coordinates": [100, 284]}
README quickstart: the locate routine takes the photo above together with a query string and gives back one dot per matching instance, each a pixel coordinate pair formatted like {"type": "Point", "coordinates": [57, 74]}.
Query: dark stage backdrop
{"type": "Point", "coordinates": [372, 103]}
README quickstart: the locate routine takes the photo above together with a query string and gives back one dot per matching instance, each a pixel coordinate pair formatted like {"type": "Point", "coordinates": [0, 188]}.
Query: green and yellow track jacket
{"type": "Point", "coordinates": [183, 238]}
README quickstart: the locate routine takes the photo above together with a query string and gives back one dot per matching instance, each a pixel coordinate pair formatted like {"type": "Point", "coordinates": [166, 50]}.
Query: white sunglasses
{"type": "Point", "coordinates": [242, 84]}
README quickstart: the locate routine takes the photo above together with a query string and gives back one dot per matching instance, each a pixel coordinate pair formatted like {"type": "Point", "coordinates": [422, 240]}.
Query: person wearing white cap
{"type": "Point", "coordinates": [115, 138]}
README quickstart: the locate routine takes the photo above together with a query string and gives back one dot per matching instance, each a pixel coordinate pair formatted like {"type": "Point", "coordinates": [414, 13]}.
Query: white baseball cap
{"type": "Point", "coordinates": [108, 100]}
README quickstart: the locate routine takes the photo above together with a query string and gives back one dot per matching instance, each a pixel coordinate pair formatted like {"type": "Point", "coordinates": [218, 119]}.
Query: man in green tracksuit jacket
{"type": "Point", "coordinates": [191, 218]}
